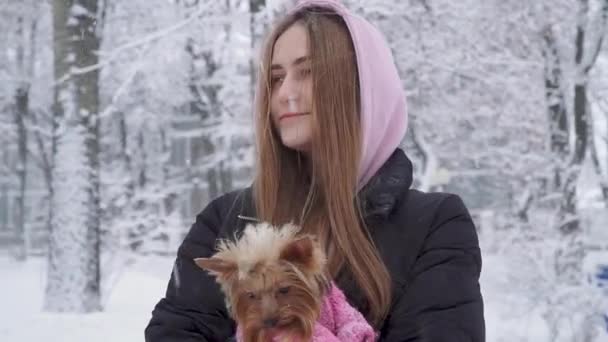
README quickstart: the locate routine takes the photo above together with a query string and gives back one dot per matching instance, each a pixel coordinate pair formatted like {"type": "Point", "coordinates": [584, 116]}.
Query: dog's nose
{"type": "Point", "coordinates": [270, 322]}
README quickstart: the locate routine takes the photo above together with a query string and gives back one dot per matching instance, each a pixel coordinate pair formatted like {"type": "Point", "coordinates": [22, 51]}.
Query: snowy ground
{"type": "Point", "coordinates": [127, 310]}
{"type": "Point", "coordinates": [143, 283]}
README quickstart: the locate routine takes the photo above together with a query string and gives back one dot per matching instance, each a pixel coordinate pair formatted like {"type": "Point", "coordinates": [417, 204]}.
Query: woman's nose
{"type": "Point", "coordinates": [289, 90]}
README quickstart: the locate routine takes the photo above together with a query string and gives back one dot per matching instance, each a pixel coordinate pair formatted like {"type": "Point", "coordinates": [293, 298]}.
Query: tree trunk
{"type": "Point", "coordinates": [46, 166]}
{"type": "Point", "coordinates": [603, 175]}
{"type": "Point", "coordinates": [22, 100]}
{"type": "Point", "coordinates": [73, 283]}
{"type": "Point", "coordinates": [569, 259]}
{"type": "Point", "coordinates": [21, 111]}
{"type": "Point", "coordinates": [125, 154]}
{"type": "Point", "coordinates": [585, 56]}
{"type": "Point", "coordinates": [255, 8]}
{"type": "Point", "coordinates": [142, 178]}
{"type": "Point", "coordinates": [556, 107]}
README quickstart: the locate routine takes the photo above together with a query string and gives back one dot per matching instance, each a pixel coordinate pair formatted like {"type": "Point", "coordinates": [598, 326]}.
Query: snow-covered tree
{"type": "Point", "coordinates": [73, 282]}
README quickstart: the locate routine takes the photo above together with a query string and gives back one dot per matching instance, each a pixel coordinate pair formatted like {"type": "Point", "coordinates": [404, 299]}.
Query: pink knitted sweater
{"type": "Point", "coordinates": [338, 322]}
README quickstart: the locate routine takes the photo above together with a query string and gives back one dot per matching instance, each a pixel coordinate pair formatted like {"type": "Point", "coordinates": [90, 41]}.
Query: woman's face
{"type": "Point", "coordinates": [291, 89]}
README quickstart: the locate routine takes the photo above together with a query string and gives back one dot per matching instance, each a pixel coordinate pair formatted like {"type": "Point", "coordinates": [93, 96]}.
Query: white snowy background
{"type": "Point", "coordinates": [119, 120]}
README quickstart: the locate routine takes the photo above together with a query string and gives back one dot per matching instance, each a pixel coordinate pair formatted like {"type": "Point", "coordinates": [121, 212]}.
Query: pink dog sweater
{"type": "Point", "coordinates": [338, 322]}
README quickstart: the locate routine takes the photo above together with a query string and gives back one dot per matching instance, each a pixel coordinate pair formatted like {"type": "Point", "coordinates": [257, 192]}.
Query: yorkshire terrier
{"type": "Point", "coordinates": [274, 281]}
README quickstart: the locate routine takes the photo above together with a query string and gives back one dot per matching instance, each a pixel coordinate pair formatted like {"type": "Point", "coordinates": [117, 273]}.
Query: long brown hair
{"type": "Point", "coordinates": [319, 192]}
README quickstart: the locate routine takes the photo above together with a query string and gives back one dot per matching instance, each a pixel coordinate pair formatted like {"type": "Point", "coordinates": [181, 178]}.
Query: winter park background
{"type": "Point", "coordinates": [120, 119]}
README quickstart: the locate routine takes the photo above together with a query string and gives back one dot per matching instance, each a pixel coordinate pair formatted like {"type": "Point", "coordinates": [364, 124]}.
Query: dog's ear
{"type": "Point", "coordinates": [221, 269]}
{"type": "Point", "coordinates": [300, 251]}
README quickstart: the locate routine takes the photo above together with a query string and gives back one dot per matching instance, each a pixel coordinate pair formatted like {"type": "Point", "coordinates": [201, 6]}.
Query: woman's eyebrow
{"type": "Point", "coordinates": [296, 62]}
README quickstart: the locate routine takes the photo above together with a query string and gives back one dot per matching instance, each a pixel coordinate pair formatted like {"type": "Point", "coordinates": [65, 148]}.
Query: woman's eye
{"type": "Point", "coordinates": [276, 79]}
{"type": "Point", "coordinates": [305, 72]}
{"type": "Point", "coordinates": [250, 295]}
{"type": "Point", "coordinates": [284, 290]}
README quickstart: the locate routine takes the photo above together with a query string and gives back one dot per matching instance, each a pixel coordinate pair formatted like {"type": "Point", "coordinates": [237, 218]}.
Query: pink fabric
{"type": "Point", "coordinates": [384, 116]}
{"type": "Point", "coordinates": [338, 322]}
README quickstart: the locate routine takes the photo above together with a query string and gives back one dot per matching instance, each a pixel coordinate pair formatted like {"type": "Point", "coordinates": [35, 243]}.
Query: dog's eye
{"type": "Point", "coordinates": [284, 290]}
{"type": "Point", "coordinates": [250, 295]}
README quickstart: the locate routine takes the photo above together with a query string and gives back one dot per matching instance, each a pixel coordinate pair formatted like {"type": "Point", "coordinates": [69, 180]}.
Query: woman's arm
{"type": "Point", "coordinates": [442, 299]}
{"type": "Point", "coordinates": [193, 308]}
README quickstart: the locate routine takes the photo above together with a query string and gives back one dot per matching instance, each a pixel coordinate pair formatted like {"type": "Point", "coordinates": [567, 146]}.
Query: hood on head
{"type": "Point", "coordinates": [384, 116]}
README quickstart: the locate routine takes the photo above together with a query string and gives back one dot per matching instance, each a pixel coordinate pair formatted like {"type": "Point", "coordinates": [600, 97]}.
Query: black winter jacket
{"type": "Point", "coordinates": [427, 240]}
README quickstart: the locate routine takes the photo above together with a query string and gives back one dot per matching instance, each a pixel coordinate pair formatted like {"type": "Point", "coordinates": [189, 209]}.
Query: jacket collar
{"type": "Point", "coordinates": [381, 194]}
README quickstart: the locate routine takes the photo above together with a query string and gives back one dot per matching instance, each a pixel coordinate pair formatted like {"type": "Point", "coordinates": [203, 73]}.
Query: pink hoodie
{"type": "Point", "coordinates": [383, 105]}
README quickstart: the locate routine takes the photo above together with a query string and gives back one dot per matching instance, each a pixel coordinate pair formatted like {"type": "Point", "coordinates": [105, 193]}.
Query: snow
{"type": "Point", "coordinates": [509, 316]}
{"type": "Point", "coordinates": [127, 312]}
{"type": "Point", "coordinates": [78, 10]}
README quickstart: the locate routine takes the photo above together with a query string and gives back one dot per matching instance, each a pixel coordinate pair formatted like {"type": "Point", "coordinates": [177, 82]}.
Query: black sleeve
{"type": "Point", "coordinates": [193, 308]}
{"type": "Point", "coordinates": [442, 300]}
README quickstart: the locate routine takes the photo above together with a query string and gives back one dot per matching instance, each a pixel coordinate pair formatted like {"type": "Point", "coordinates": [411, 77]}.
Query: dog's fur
{"type": "Point", "coordinates": [274, 281]}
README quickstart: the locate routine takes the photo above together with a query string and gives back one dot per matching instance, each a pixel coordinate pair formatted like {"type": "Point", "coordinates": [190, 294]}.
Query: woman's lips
{"type": "Point", "coordinates": [291, 115]}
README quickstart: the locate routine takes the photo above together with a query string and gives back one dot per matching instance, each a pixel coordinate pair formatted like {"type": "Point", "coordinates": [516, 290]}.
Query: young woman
{"type": "Point", "coordinates": [330, 116]}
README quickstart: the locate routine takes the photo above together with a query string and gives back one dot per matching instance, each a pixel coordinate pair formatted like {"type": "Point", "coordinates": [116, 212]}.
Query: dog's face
{"type": "Point", "coordinates": [278, 297]}
{"type": "Point", "coordinates": [278, 294]}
